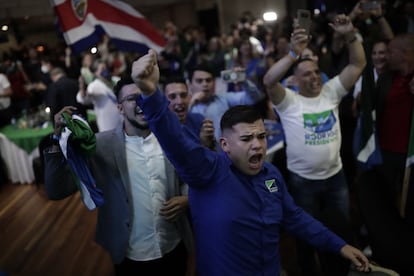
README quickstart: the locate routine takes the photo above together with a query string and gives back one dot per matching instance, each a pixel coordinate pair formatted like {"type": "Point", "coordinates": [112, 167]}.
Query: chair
{"type": "Point", "coordinates": [38, 163]}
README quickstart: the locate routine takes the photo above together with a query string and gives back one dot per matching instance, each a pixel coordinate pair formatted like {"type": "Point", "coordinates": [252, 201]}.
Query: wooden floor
{"type": "Point", "coordinates": [42, 237]}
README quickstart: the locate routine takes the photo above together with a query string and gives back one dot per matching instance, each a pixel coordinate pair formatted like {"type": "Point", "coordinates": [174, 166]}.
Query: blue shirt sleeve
{"type": "Point", "coordinates": [194, 163]}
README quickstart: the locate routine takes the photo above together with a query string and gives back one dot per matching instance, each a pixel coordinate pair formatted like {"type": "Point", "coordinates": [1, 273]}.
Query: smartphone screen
{"type": "Point", "coordinates": [368, 6]}
{"type": "Point", "coordinates": [304, 19]}
{"type": "Point", "coordinates": [233, 76]}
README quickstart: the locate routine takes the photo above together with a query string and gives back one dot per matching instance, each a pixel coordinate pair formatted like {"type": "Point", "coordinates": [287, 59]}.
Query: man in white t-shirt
{"type": "Point", "coordinates": [99, 93]}
{"type": "Point", "coordinates": [312, 130]}
{"type": "Point", "coordinates": [5, 94]}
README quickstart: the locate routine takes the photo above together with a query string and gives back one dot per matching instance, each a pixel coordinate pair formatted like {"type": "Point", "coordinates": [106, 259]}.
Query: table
{"type": "Point", "coordinates": [18, 148]}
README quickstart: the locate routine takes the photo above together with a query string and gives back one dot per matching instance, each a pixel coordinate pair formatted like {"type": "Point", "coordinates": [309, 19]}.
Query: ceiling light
{"type": "Point", "coordinates": [269, 16]}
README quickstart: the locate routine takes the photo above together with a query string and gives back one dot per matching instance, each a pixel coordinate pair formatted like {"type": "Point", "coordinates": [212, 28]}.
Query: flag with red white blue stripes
{"type": "Point", "coordinates": [83, 22]}
{"type": "Point", "coordinates": [77, 142]}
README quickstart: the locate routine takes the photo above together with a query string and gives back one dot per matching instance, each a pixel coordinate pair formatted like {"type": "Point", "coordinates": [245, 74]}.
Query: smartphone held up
{"type": "Point", "coordinates": [233, 75]}
{"type": "Point", "coordinates": [304, 18]}
{"type": "Point", "coordinates": [368, 5]}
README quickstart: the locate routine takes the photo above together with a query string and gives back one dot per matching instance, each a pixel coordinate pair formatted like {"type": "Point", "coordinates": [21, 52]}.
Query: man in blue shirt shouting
{"type": "Point", "coordinates": [238, 202]}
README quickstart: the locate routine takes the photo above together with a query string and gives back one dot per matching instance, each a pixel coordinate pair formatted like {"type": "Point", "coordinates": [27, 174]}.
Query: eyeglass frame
{"type": "Point", "coordinates": [129, 98]}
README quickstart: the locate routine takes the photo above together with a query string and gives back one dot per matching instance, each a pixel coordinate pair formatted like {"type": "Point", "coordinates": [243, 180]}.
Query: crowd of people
{"type": "Point", "coordinates": [194, 195]}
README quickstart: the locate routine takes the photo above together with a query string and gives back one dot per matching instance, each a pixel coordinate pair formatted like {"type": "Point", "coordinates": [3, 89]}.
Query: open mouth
{"type": "Point", "coordinates": [180, 111]}
{"type": "Point", "coordinates": [138, 111]}
{"type": "Point", "coordinates": [255, 161]}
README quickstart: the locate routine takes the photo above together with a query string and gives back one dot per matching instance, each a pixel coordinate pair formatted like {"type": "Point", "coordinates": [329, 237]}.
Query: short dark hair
{"type": "Point", "coordinates": [239, 114]}
{"type": "Point", "coordinates": [121, 83]}
{"type": "Point", "coordinates": [201, 67]}
{"type": "Point", "coordinates": [378, 41]}
{"type": "Point", "coordinates": [174, 79]}
{"type": "Point", "coordinates": [299, 61]}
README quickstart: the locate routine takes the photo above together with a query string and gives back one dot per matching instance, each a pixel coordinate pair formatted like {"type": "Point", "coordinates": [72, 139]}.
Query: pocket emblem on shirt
{"type": "Point", "coordinates": [271, 185]}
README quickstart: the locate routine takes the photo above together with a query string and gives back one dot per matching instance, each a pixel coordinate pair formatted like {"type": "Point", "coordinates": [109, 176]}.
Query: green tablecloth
{"type": "Point", "coordinates": [28, 138]}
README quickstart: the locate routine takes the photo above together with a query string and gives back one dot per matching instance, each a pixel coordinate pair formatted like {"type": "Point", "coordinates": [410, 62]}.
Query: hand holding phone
{"type": "Point", "coordinates": [368, 6]}
{"type": "Point", "coordinates": [233, 75]}
{"type": "Point", "coordinates": [304, 19]}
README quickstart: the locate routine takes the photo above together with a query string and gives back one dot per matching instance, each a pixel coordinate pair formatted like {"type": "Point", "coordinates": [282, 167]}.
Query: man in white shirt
{"type": "Point", "coordinates": [312, 129]}
{"type": "Point", "coordinates": [99, 93]}
{"type": "Point", "coordinates": [143, 221]}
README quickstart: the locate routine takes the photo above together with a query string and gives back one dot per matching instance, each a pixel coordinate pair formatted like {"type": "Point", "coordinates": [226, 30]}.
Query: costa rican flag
{"type": "Point", "coordinates": [77, 142]}
{"type": "Point", "coordinates": [83, 23]}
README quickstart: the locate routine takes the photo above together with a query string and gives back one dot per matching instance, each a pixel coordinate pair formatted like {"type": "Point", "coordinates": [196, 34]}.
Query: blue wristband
{"type": "Point", "coordinates": [294, 55]}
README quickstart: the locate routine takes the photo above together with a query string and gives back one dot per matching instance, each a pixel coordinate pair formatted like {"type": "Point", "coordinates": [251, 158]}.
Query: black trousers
{"type": "Point", "coordinates": [173, 263]}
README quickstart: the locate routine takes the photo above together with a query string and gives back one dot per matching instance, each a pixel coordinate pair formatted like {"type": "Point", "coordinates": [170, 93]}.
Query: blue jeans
{"type": "Point", "coordinates": [328, 201]}
{"type": "Point", "coordinates": [320, 196]}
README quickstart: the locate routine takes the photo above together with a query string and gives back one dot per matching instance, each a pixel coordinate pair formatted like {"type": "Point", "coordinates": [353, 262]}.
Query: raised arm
{"type": "Point", "coordinates": [350, 74]}
{"type": "Point", "coordinates": [146, 74]}
{"type": "Point", "coordinates": [59, 181]}
{"type": "Point", "coordinates": [299, 41]}
{"type": "Point", "coordinates": [377, 15]}
{"type": "Point", "coordinates": [82, 96]}
{"type": "Point", "coordinates": [194, 163]}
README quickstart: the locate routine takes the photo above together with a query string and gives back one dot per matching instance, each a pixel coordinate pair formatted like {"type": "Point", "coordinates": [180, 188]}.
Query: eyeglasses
{"type": "Point", "coordinates": [130, 98]}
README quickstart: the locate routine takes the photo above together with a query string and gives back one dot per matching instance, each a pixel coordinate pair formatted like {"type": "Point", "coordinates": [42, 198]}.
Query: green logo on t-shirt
{"type": "Point", "coordinates": [320, 128]}
{"type": "Point", "coordinates": [271, 185]}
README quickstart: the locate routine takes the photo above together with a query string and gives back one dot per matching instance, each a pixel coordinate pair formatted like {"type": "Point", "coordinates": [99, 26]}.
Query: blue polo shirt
{"type": "Point", "coordinates": [220, 102]}
{"type": "Point", "coordinates": [237, 218]}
